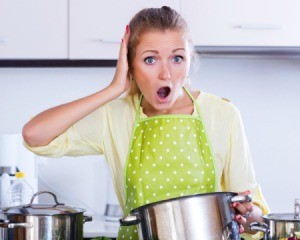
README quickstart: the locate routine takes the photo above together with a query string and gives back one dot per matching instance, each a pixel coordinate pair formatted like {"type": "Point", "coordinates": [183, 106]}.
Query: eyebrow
{"type": "Point", "coordinates": [156, 52]}
{"type": "Point", "coordinates": [177, 49]}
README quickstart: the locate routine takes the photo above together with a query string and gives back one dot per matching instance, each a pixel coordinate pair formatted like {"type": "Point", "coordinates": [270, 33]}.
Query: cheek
{"type": "Point", "coordinates": [143, 85]}
{"type": "Point", "coordinates": [143, 75]}
{"type": "Point", "coordinates": [137, 69]}
{"type": "Point", "coordinates": [181, 73]}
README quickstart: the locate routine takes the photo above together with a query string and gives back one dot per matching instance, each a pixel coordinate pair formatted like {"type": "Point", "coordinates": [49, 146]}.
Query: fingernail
{"type": "Point", "coordinates": [239, 217]}
{"type": "Point", "coordinates": [234, 204]}
{"type": "Point", "coordinates": [127, 29]}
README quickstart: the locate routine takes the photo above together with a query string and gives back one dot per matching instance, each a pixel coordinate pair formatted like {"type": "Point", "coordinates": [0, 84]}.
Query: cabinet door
{"type": "Point", "coordinates": [243, 22]}
{"type": "Point", "coordinates": [96, 28]}
{"type": "Point", "coordinates": [31, 29]}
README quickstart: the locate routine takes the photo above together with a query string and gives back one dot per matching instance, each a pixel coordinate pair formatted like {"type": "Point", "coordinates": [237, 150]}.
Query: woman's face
{"type": "Point", "coordinates": [160, 68]}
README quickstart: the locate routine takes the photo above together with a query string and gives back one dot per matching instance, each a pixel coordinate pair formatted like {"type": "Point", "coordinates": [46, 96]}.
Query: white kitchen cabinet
{"type": "Point", "coordinates": [31, 29]}
{"type": "Point", "coordinates": [97, 27]}
{"type": "Point", "coordinates": [269, 23]}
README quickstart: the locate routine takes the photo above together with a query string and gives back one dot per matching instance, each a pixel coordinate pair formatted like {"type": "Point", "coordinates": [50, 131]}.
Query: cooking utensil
{"type": "Point", "coordinates": [42, 222]}
{"type": "Point", "coordinates": [200, 216]}
{"type": "Point", "coordinates": [280, 225]}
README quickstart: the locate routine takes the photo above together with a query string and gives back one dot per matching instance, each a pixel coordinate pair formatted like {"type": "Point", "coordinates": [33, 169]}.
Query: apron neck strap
{"type": "Point", "coordinates": [193, 99]}
{"type": "Point", "coordinates": [137, 116]}
{"type": "Point", "coordinates": [189, 94]}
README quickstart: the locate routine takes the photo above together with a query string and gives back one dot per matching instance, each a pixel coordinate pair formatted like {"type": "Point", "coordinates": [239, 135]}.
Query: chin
{"type": "Point", "coordinates": [163, 106]}
{"type": "Point", "coordinates": [158, 105]}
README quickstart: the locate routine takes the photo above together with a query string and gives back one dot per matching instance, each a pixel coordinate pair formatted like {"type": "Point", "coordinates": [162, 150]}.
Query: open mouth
{"type": "Point", "coordinates": [163, 92]}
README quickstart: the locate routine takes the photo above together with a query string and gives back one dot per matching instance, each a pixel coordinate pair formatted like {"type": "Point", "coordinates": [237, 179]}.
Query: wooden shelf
{"type": "Point", "coordinates": [56, 63]}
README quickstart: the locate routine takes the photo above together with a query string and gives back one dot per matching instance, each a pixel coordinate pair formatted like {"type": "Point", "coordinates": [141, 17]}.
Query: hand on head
{"type": "Point", "coordinates": [121, 79]}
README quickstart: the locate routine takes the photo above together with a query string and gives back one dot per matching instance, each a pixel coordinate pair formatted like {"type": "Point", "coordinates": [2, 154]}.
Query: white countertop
{"type": "Point", "coordinates": [99, 227]}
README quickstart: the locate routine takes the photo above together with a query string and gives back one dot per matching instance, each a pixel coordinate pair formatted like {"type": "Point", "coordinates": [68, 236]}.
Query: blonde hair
{"type": "Point", "coordinates": [164, 18]}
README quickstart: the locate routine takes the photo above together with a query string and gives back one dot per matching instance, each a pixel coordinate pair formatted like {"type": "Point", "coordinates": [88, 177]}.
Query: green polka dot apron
{"type": "Point", "coordinates": [169, 156]}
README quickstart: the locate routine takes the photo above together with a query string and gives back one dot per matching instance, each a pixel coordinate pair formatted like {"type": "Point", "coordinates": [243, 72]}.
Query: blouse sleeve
{"type": "Point", "coordinates": [83, 138]}
{"type": "Point", "coordinates": [239, 171]}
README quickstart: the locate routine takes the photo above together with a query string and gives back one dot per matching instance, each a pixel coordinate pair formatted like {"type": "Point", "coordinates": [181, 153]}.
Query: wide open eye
{"type": "Point", "coordinates": [177, 59]}
{"type": "Point", "coordinates": [150, 60]}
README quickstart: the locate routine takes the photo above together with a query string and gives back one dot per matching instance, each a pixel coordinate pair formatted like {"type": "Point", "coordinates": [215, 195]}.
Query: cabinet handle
{"type": "Point", "coordinates": [258, 26]}
{"type": "Point", "coordinates": [106, 41]}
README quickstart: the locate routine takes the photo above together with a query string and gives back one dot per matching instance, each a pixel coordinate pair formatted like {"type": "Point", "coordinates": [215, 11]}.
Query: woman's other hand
{"type": "Point", "coordinates": [121, 80]}
{"type": "Point", "coordinates": [247, 213]}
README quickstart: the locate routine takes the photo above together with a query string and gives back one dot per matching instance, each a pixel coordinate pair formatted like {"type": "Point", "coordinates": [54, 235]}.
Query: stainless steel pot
{"type": "Point", "coordinates": [42, 222]}
{"type": "Point", "coordinates": [201, 216]}
{"type": "Point", "coordinates": [280, 226]}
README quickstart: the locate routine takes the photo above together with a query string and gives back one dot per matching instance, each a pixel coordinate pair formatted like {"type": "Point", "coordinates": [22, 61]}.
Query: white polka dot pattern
{"type": "Point", "coordinates": [162, 165]}
{"type": "Point", "coordinates": [169, 158]}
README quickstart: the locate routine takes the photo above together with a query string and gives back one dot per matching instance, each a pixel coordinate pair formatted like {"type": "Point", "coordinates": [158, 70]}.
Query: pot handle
{"type": "Point", "coordinates": [130, 220]}
{"type": "Point", "coordinates": [42, 192]}
{"type": "Point", "coordinates": [241, 198]}
{"type": "Point", "coordinates": [7, 224]}
{"type": "Point", "coordinates": [261, 227]}
{"type": "Point", "coordinates": [87, 219]}
{"type": "Point", "coordinates": [297, 209]}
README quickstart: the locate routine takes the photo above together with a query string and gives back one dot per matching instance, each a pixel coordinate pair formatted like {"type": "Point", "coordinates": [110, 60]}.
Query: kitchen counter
{"type": "Point", "coordinates": [99, 227]}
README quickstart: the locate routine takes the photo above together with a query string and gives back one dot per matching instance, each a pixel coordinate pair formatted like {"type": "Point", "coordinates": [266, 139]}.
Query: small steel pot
{"type": "Point", "coordinates": [279, 226]}
{"type": "Point", "coordinates": [201, 216]}
{"type": "Point", "coordinates": [42, 222]}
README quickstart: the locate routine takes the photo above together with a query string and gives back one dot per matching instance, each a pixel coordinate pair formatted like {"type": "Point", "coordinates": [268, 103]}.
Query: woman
{"type": "Point", "coordinates": [163, 139]}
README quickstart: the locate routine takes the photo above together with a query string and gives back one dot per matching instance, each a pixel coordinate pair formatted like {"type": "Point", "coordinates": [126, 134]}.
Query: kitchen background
{"type": "Point", "coordinates": [259, 73]}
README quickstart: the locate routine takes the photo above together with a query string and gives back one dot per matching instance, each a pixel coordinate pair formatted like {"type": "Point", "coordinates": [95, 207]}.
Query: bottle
{"type": "Point", "coordinates": [20, 192]}
{"type": "Point", "coordinates": [5, 185]}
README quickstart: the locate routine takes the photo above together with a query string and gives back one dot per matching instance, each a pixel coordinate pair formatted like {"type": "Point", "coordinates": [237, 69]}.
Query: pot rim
{"type": "Point", "coordinates": [281, 217]}
{"type": "Point", "coordinates": [45, 210]}
{"type": "Point", "coordinates": [141, 208]}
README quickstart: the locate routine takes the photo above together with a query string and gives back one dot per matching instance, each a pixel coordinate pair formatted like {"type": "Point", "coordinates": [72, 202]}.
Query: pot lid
{"type": "Point", "coordinates": [282, 217]}
{"type": "Point", "coordinates": [42, 209]}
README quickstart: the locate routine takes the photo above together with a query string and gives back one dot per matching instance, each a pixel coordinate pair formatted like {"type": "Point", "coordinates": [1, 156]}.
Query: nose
{"type": "Point", "coordinates": [164, 73]}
